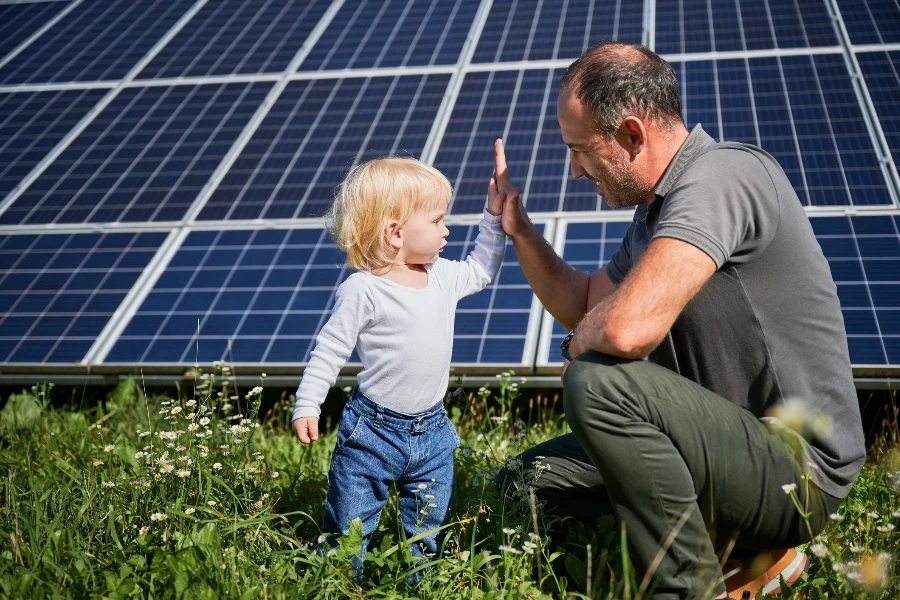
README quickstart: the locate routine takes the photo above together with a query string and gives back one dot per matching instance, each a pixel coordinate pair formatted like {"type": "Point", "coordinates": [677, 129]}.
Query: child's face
{"type": "Point", "coordinates": [424, 236]}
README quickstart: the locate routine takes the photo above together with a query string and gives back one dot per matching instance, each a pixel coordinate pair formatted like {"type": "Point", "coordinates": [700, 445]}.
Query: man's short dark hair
{"type": "Point", "coordinates": [614, 80]}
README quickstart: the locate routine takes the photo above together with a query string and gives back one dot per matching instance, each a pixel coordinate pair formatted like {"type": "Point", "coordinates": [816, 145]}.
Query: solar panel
{"type": "Point", "coordinates": [238, 36]}
{"type": "Point", "coordinates": [871, 21]}
{"type": "Point", "coordinates": [32, 123]}
{"type": "Point", "coordinates": [270, 291]}
{"type": "Point", "coordinates": [538, 30]}
{"type": "Point", "coordinates": [520, 107]}
{"type": "Point", "coordinates": [882, 76]}
{"type": "Point", "coordinates": [392, 33]}
{"type": "Point", "coordinates": [686, 26]}
{"type": "Point", "coordinates": [19, 21]}
{"type": "Point", "coordinates": [145, 157]}
{"type": "Point", "coordinates": [103, 39]}
{"type": "Point", "coordinates": [802, 110]}
{"type": "Point", "coordinates": [58, 291]}
{"type": "Point", "coordinates": [312, 135]}
{"type": "Point", "coordinates": [862, 251]}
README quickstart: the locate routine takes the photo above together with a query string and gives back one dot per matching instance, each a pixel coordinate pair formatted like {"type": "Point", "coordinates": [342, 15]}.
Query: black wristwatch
{"type": "Point", "coordinates": [564, 345]}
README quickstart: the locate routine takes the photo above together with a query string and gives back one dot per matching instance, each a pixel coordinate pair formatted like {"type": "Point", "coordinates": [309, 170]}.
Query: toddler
{"type": "Point", "coordinates": [398, 308]}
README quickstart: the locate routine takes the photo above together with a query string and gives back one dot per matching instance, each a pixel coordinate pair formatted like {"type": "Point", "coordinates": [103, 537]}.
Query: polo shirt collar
{"type": "Point", "coordinates": [695, 142]}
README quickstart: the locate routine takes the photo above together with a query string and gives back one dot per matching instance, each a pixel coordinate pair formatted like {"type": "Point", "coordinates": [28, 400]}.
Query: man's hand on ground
{"type": "Point", "coordinates": [306, 429]}
{"type": "Point", "coordinates": [515, 219]}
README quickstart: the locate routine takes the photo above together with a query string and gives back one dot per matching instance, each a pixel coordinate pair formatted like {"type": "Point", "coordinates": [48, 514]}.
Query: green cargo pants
{"type": "Point", "coordinates": [650, 446]}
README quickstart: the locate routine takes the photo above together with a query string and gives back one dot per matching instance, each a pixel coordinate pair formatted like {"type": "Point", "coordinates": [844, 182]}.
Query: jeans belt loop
{"type": "Point", "coordinates": [379, 415]}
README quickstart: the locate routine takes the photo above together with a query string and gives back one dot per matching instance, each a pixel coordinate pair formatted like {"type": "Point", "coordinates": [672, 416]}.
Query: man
{"type": "Point", "coordinates": [721, 285]}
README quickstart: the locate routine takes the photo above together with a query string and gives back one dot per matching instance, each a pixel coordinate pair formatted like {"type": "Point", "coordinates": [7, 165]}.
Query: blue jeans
{"type": "Point", "coordinates": [377, 448]}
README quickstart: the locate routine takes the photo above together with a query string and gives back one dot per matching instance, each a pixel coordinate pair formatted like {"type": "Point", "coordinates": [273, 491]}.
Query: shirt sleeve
{"type": "Point", "coordinates": [726, 205]}
{"type": "Point", "coordinates": [353, 311]}
{"type": "Point", "coordinates": [482, 265]}
{"type": "Point", "coordinates": [620, 263]}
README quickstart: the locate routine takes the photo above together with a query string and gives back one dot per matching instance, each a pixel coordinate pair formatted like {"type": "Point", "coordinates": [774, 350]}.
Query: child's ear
{"type": "Point", "coordinates": [394, 234]}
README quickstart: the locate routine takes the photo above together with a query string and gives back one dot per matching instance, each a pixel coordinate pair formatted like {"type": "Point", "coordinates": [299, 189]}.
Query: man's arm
{"type": "Point", "coordinates": [565, 292]}
{"type": "Point", "coordinates": [634, 319]}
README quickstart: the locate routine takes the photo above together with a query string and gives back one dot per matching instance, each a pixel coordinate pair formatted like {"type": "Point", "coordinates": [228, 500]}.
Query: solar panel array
{"type": "Point", "coordinates": [164, 164]}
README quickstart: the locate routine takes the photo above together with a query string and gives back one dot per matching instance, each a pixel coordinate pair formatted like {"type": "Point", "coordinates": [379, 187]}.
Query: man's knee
{"type": "Point", "coordinates": [597, 385]}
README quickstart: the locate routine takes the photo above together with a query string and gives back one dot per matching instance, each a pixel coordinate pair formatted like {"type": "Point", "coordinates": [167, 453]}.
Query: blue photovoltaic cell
{"type": "Point", "coordinates": [588, 247]}
{"type": "Point", "coordinates": [393, 33]}
{"type": "Point", "coordinates": [802, 110]}
{"type": "Point", "coordinates": [58, 291]}
{"type": "Point", "coordinates": [538, 30]}
{"type": "Point", "coordinates": [871, 21]}
{"type": "Point", "coordinates": [685, 26]}
{"type": "Point", "coordinates": [313, 134]}
{"type": "Point", "coordinates": [882, 76]}
{"type": "Point", "coordinates": [238, 36]}
{"type": "Point", "coordinates": [145, 157]}
{"type": "Point", "coordinates": [520, 107]}
{"type": "Point", "coordinates": [270, 291]}
{"type": "Point", "coordinates": [864, 256]}
{"type": "Point", "coordinates": [19, 21]}
{"type": "Point", "coordinates": [101, 39]}
{"type": "Point", "coordinates": [32, 123]}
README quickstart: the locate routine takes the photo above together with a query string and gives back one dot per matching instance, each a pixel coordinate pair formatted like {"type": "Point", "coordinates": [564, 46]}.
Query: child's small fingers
{"type": "Point", "coordinates": [313, 429]}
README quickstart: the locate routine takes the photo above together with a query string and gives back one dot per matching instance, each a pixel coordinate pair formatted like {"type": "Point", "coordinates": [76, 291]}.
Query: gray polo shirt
{"type": "Point", "coordinates": [767, 327]}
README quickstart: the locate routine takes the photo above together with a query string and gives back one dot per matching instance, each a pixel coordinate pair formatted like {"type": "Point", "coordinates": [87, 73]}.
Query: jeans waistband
{"type": "Point", "coordinates": [418, 423]}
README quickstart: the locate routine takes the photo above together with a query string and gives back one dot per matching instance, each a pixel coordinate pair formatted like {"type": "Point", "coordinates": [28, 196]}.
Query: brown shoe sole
{"type": "Point", "coordinates": [789, 564]}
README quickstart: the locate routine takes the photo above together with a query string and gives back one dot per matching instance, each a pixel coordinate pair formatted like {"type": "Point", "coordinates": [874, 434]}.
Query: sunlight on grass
{"type": "Point", "coordinates": [202, 497]}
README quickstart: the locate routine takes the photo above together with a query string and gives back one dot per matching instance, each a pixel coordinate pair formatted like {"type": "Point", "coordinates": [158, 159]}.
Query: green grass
{"type": "Point", "coordinates": [82, 498]}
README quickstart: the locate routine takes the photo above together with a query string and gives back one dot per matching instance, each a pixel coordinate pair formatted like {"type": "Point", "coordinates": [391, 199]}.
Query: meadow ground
{"type": "Point", "coordinates": [199, 496]}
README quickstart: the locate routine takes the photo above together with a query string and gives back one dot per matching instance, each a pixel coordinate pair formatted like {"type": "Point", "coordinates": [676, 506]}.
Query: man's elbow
{"type": "Point", "coordinates": [630, 342]}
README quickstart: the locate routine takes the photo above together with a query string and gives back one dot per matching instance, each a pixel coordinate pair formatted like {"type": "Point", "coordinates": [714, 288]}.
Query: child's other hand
{"type": "Point", "coordinates": [306, 429]}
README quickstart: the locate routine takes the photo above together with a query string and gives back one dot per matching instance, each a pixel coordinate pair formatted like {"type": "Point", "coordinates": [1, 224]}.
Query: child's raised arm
{"type": "Point", "coordinates": [353, 311]}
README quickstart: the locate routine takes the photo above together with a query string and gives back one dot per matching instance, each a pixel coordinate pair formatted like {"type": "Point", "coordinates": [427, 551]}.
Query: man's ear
{"type": "Point", "coordinates": [632, 135]}
{"type": "Point", "coordinates": [394, 234]}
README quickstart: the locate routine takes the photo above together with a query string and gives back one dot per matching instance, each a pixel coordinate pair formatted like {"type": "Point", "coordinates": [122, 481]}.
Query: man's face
{"type": "Point", "coordinates": [602, 160]}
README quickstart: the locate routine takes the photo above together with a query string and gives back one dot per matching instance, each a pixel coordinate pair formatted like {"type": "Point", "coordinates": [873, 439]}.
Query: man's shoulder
{"type": "Point", "coordinates": [724, 164]}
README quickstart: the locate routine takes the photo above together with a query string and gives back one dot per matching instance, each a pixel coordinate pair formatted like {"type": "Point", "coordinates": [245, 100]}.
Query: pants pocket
{"type": "Point", "coordinates": [348, 429]}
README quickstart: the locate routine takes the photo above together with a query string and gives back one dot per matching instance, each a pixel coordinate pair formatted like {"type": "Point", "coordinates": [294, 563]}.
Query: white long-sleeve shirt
{"type": "Point", "coordinates": [405, 335]}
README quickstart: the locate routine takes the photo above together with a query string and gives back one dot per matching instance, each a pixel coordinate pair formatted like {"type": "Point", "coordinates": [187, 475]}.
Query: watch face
{"type": "Point", "coordinates": [564, 345]}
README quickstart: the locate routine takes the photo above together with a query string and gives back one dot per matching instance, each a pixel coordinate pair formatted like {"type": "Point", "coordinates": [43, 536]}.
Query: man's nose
{"type": "Point", "coordinates": [574, 167]}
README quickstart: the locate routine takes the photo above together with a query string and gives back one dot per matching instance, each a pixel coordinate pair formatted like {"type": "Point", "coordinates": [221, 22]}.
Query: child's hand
{"type": "Point", "coordinates": [306, 429]}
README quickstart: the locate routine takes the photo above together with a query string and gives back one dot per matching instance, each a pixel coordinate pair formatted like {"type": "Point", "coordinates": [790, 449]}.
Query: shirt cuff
{"type": "Point", "coordinates": [491, 218]}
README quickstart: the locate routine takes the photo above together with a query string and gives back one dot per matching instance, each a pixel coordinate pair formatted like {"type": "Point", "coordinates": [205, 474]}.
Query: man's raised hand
{"type": "Point", "coordinates": [502, 193]}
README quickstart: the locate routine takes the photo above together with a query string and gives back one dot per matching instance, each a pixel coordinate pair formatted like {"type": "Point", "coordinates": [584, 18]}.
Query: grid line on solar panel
{"type": "Point", "coordinates": [487, 108]}
{"type": "Point", "coordinates": [270, 291]}
{"type": "Point", "coordinates": [864, 256]}
{"type": "Point", "coordinates": [238, 36]}
{"type": "Point", "coordinates": [690, 26]}
{"type": "Point", "coordinates": [801, 109]}
{"type": "Point", "coordinates": [882, 80]}
{"type": "Point", "coordinates": [312, 135]}
{"type": "Point", "coordinates": [19, 21]}
{"type": "Point", "coordinates": [871, 21]}
{"type": "Point", "coordinates": [101, 40]}
{"type": "Point", "coordinates": [541, 29]}
{"type": "Point", "coordinates": [369, 34]}
{"type": "Point", "coordinates": [31, 124]}
{"type": "Point", "coordinates": [58, 291]}
{"type": "Point", "coordinates": [863, 253]}
{"type": "Point", "coordinates": [586, 246]}
{"type": "Point", "coordinates": [145, 157]}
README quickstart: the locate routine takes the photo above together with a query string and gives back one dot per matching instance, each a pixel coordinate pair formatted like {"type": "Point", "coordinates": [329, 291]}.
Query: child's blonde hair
{"type": "Point", "coordinates": [372, 194]}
